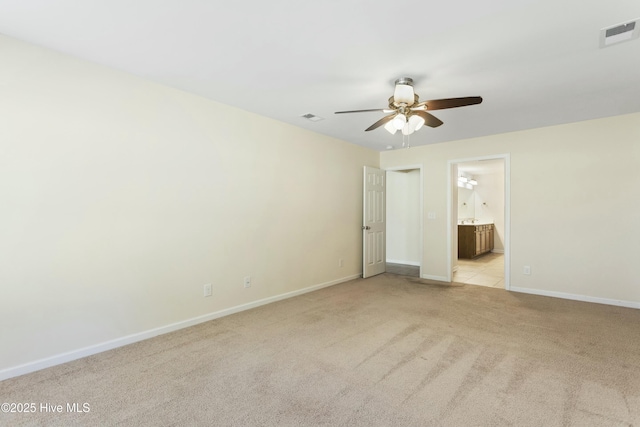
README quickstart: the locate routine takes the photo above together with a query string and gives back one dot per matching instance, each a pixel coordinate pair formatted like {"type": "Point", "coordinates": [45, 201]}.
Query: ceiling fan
{"type": "Point", "coordinates": [408, 114]}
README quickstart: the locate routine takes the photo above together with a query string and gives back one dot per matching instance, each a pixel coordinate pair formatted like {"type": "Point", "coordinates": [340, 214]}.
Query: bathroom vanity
{"type": "Point", "coordinates": [474, 240]}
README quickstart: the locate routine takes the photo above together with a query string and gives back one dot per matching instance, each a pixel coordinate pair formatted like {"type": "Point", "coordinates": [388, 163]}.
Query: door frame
{"type": "Point", "coordinates": [451, 168]}
{"type": "Point", "coordinates": [421, 203]}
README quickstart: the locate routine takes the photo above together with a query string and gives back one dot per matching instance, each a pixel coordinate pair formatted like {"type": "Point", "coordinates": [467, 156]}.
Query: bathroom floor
{"type": "Point", "coordinates": [487, 270]}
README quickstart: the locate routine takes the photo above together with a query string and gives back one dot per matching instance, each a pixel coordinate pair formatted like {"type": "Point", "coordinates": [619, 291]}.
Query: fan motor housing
{"type": "Point", "coordinates": [394, 105]}
{"type": "Point", "coordinates": [405, 81]}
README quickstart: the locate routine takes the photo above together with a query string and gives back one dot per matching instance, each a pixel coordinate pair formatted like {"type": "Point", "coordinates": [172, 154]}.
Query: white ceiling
{"type": "Point", "coordinates": [535, 63]}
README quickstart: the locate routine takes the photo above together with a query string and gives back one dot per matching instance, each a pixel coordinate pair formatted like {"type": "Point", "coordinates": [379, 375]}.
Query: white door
{"type": "Point", "coordinates": [373, 219]}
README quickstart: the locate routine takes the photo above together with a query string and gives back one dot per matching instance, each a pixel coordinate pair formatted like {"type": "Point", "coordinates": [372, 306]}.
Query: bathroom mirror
{"type": "Point", "coordinates": [466, 203]}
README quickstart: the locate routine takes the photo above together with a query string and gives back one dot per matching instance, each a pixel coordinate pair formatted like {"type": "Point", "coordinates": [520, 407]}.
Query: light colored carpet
{"type": "Point", "coordinates": [386, 351]}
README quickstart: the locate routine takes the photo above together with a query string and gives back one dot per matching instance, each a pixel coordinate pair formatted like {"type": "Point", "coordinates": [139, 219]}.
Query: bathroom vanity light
{"type": "Point", "coordinates": [465, 182]}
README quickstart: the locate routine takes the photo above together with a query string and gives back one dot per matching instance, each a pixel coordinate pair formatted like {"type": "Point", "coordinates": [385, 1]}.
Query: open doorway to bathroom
{"type": "Point", "coordinates": [479, 232]}
{"type": "Point", "coordinates": [404, 221]}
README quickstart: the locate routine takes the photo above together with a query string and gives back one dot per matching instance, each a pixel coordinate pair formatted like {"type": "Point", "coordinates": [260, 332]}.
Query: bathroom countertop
{"type": "Point", "coordinates": [476, 223]}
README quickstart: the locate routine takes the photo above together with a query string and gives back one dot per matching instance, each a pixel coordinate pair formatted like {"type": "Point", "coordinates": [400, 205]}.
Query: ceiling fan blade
{"type": "Point", "coordinates": [382, 121]}
{"type": "Point", "coordinates": [429, 119]}
{"type": "Point", "coordinates": [441, 104]}
{"type": "Point", "coordinates": [361, 111]}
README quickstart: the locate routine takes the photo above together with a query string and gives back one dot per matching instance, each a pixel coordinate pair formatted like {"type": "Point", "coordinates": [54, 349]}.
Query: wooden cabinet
{"type": "Point", "coordinates": [474, 240]}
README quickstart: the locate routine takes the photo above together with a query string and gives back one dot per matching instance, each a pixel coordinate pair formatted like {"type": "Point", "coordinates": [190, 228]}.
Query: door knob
{"type": "Point", "coordinates": [366, 227]}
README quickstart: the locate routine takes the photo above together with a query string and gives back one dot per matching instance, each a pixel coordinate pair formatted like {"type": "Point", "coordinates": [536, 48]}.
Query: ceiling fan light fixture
{"type": "Point", "coordinates": [403, 94]}
{"type": "Point", "coordinates": [390, 128]}
{"type": "Point", "coordinates": [407, 114]}
{"type": "Point", "coordinates": [399, 121]}
{"type": "Point", "coordinates": [415, 122]}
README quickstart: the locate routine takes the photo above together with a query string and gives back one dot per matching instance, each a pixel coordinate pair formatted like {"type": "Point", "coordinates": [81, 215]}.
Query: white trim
{"type": "Point", "coordinates": [421, 244]}
{"type": "Point", "coordinates": [140, 336]}
{"type": "Point", "coordinates": [404, 168]}
{"type": "Point", "coordinates": [395, 261]}
{"type": "Point", "coordinates": [497, 251]}
{"type": "Point", "coordinates": [507, 222]}
{"type": "Point", "coordinates": [436, 278]}
{"type": "Point", "coordinates": [507, 213]}
{"type": "Point", "coordinates": [449, 248]}
{"type": "Point", "coordinates": [585, 298]}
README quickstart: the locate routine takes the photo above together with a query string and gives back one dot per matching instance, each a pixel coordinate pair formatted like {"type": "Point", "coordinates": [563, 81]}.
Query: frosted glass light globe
{"type": "Point", "coordinates": [399, 121]}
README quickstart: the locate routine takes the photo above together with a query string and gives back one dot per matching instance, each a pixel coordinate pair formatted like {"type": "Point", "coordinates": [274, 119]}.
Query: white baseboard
{"type": "Point", "coordinates": [584, 298]}
{"type": "Point", "coordinates": [436, 278]}
{"type": "Point", "coordinates": [140, 336]}
{"type": "Point", "coordinates": [497, 251]}
{"type": "Point", "coordinates": [395, 261]}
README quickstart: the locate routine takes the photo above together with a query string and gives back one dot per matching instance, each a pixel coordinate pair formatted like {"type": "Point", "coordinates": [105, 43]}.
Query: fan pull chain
{"type": "Point", "coordinates": [406, 143]}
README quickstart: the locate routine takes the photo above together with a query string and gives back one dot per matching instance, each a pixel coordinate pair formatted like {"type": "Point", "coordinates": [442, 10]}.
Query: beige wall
{"type": "Point", "coordinates": [572, 217]}
{"type": "Point", "coordinates": [121, 198]}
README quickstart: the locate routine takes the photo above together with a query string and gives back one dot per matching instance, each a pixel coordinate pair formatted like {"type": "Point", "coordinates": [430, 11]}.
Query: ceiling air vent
{"type": "Point", "coordinates": [619, 33]}
{"type": "Point", "coordinates": [312, 117]}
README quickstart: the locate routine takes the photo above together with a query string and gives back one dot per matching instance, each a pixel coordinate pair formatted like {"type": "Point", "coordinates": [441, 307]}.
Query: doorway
{"type": "Point", "coordinates": [479, 219]}
{"type": "Point", "coordinates": [404, 221]}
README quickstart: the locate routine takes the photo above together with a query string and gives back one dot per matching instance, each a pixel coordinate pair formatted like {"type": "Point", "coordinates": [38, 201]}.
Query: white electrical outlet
{"type": "Point", "coordinates": [207, 290]}
{"type": "Point", "coordinates": [247, 281]}
{"type": "Point", "coordinates": [527, 270]}
{"type": "Point", "coordinates": [340, 262]}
